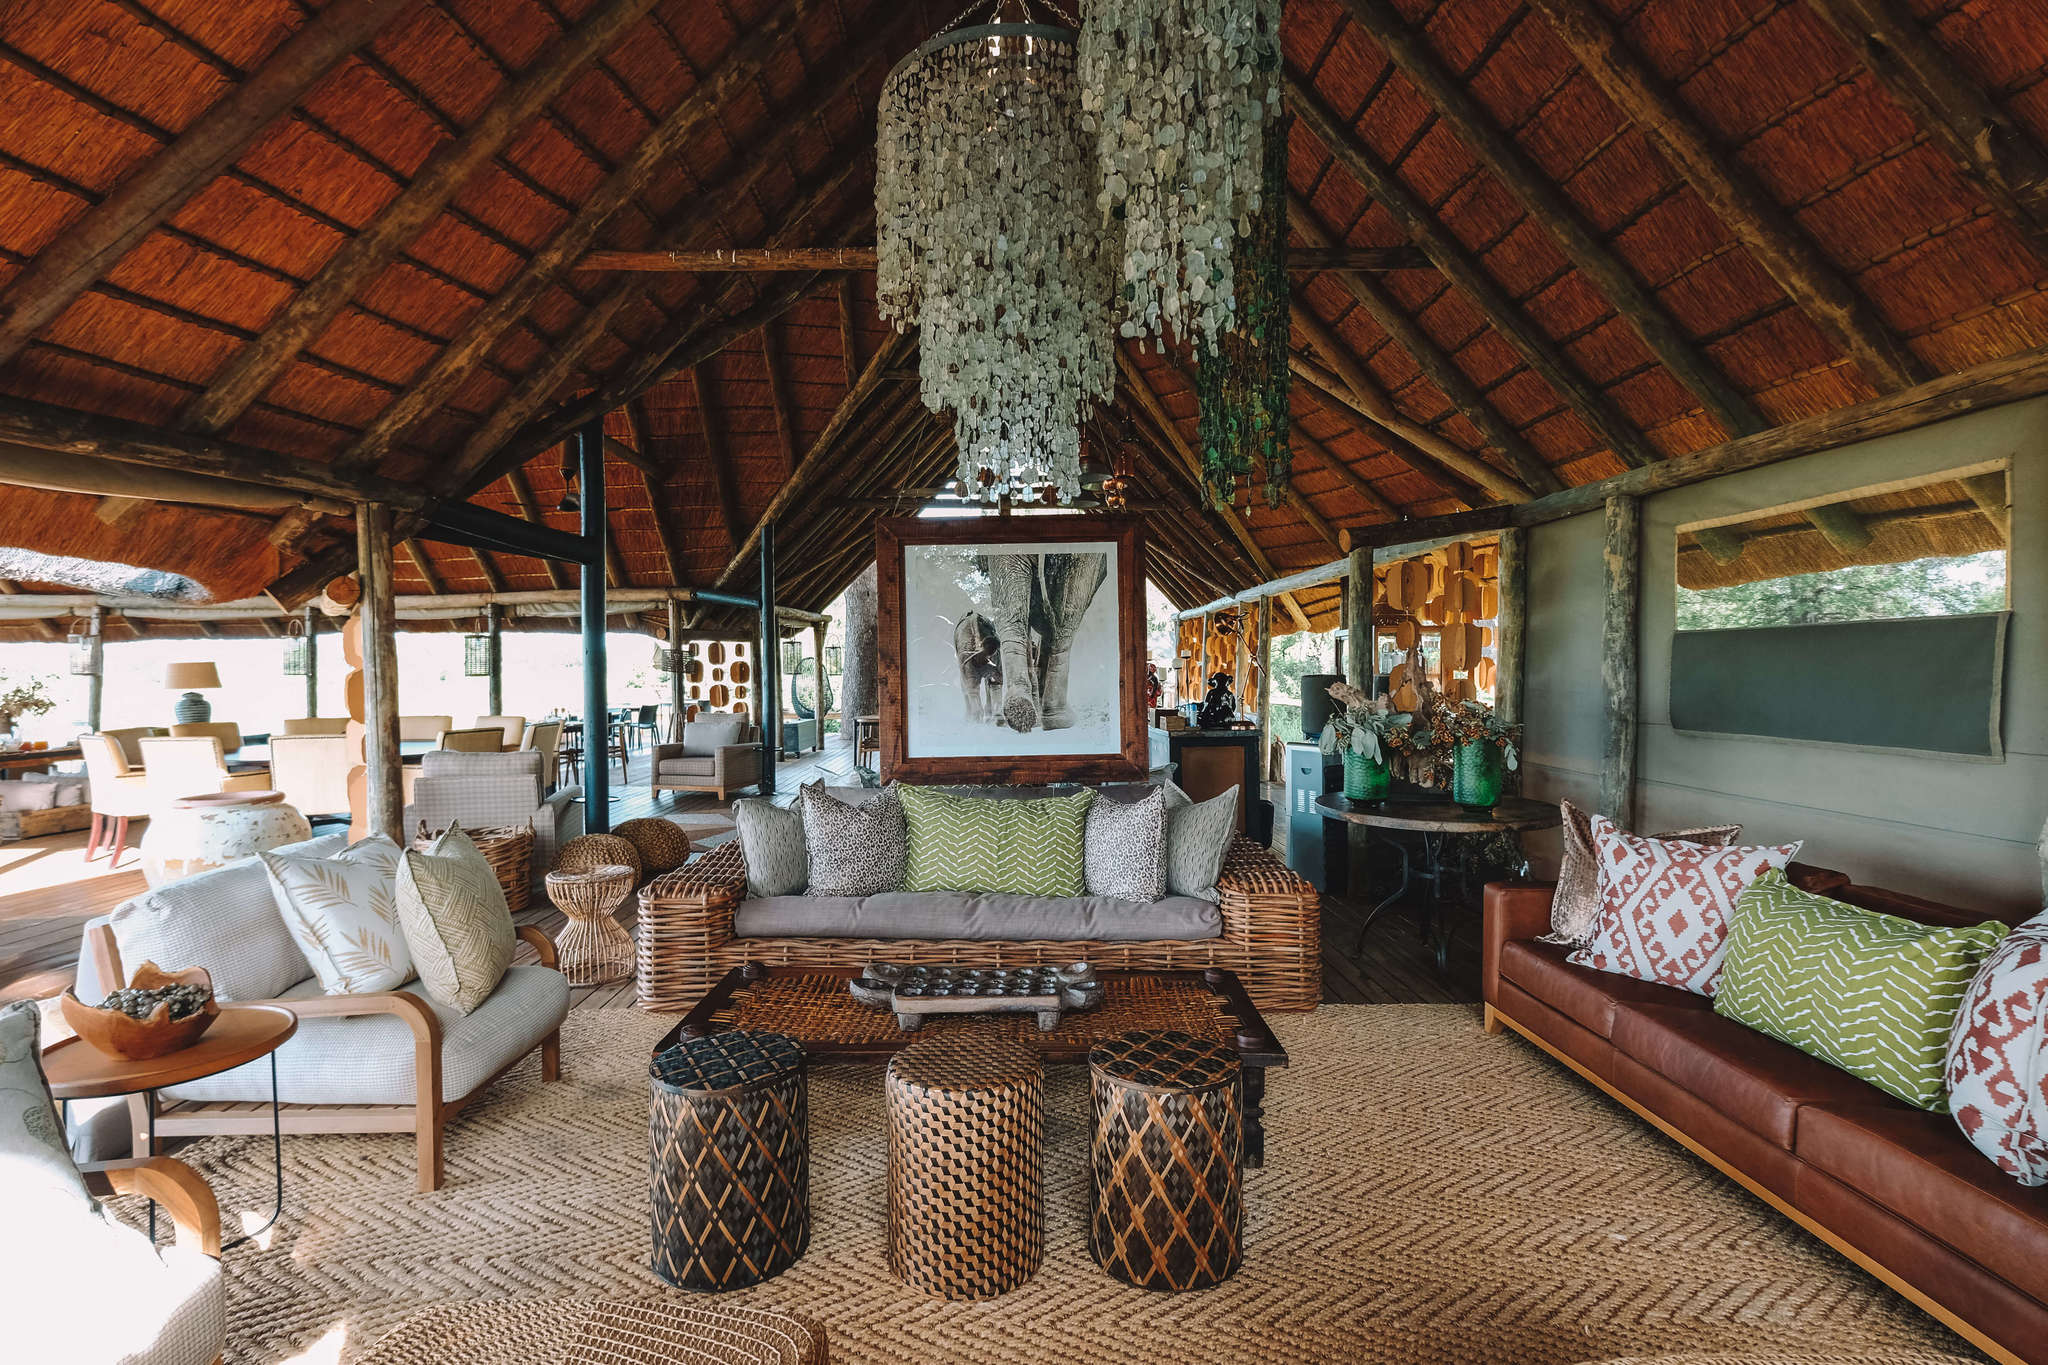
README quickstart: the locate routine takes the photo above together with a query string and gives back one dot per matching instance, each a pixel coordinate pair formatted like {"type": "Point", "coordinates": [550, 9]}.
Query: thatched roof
{"type": "Point", "coordinates": [347, 234]}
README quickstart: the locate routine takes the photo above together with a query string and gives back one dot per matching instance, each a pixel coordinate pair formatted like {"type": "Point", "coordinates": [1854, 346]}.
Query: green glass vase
{"type": "Point", "coordinates": [1366, 779]}
{"type": "Point", "coordinates": [1477, 773]}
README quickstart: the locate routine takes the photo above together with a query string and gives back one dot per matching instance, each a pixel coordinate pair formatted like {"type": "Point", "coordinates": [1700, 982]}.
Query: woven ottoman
{"type": "Point", "coordinates": [729, 1159]}
{"type": "Point", "coordinates": [593, 947]}
{"type": "Point", "coordinates": [966, 1136]}
{"type": "Point", "coordinates": [1167, 1202]}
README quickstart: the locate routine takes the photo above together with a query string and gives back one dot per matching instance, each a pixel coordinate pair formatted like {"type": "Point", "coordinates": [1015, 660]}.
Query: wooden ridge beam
{"type": "Point", "coordinates": [87, 249]}
{"type": "Point", "coordinates": [1436, 364]}
{"type": "Point", "coordinates": [778, 397]}
{"type": "Point", "coordinates": [1759, 222]}
{"type": "Point", "coordinates": [1536, 349]}
{"type": "Point", "coordinates": [810, 468]}
{"type": "Point", "coordinates": [1545, 202]}
{"type": "Point", "coordinates": [849, 336]}
{"type": "Point", "coordinates": [739, 70]}
{"type": "Point", "coordinates": [360, 259]}
{"type": "Point", "coordinates": [540, 385]}
{"type": "Point", "coordinates": [1990, 148]}
{"type": "Point", "coordinates": [716, 455]}
{"type": "Point", "coordinates": [768, 259]}
{"type": "Point", "coordinates": [636, 417]}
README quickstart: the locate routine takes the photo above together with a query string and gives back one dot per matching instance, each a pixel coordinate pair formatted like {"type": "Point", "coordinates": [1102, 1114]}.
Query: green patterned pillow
{"type": "Point", "coordinates": [1872, 994]}
{"type": "Point", "coordinates": [981, 843]}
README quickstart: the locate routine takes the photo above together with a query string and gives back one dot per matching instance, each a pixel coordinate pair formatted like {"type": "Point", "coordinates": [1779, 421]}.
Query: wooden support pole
{"type": "Point", "coordinates": [676, 682]}
{"type": "Point", "coordinates": [768, 668]}
{"type": "Point", "coordinates": [1511, 627]}
{"type": "Point", "coordinates": [822, 690]}
{"type": "Point", "coordinates": [384, 797]}
{"type": "Point", "coordinates": [1744, 207]}
{"type": "Point", "coordinates": [1358, 647]}
{"type": "Point", "coordinates": [309, 630]}
{"type": "Point", "coordinates": [95, 685]}
{"type": "Point", "coordinates": [1622, 554]}
{"type": "Point", "coordinates": [1265, 665]}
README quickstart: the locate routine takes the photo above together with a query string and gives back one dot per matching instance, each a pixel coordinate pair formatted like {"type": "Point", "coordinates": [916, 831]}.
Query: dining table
{"type": "Point", "coordinates": [254, 756]}
{"type": "Point", "coordinates": [33, 760]}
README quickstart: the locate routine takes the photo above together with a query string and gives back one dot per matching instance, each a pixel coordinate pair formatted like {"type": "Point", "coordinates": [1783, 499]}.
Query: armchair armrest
{"type": "Point", "coordinates": [1514, 910]}
{"type": "Point", "coordinates": [543, 946]}
{"type": "Point", "coordinates": [662, 751]}
{"type": "Point", "coordinates": [1274, 917]}
{"type": "Point", "coordinates": [182, 1191]}
{"type": "Point", "coordinates": [739, 764]}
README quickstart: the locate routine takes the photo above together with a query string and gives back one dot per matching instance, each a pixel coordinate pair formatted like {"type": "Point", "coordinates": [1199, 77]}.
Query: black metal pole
{"type": "Point", "coordinates": [597, 730]}
{"type": "Point", "coordinates": [771, 665]}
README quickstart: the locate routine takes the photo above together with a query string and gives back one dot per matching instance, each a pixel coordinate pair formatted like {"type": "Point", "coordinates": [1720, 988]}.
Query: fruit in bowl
{"type": "Point", "coordinates": [158, 1013]}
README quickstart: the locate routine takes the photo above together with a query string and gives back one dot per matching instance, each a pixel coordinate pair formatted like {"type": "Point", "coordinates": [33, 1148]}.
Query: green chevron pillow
{"type": "Point", "coordinates": [1872, 994]}
{"type": "Point", "coordinates": [980, 843]}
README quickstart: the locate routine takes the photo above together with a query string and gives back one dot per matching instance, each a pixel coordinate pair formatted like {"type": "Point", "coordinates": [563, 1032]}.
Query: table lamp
{"type": "Point", "coordinates": [192, 708]}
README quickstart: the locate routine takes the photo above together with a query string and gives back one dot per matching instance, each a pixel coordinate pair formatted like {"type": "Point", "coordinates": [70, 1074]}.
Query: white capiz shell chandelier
{"type": "Point", "coordinates": [988, 240]}
{"type": "Point", "coordinates": [1175, 93]}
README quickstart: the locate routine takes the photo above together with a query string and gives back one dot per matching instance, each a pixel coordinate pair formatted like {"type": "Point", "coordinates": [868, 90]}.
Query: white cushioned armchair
{"type": "Point", "coordinates": [484, 790]}
{"type": "Point", "coordinates": [404, 1063]}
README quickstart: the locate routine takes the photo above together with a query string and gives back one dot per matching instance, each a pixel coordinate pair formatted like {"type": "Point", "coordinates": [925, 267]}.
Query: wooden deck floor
{"type": "Point", "coordinates": [48, 891]}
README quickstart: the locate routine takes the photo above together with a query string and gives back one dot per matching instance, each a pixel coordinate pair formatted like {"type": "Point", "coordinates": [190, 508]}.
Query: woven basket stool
{"type": "Point", "coordinates": [586, 851]}
{"type": "Point", "coordinates": [1167, 1202]}
{"type": "Point", "coordinates": [966, 1166]}
{"type": "Point", "coordinates": [729, 1159]}
{"type": "Point", "coordinates": [662, 845]}
{"type": "Point", "coordinates": [509, 851]}
{"type": "Point", "coordinates": [592, 948]}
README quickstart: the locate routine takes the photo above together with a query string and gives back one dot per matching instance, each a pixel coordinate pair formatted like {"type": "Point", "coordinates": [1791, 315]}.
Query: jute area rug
{"type": "Point", "coordinates": [1430, 1194]}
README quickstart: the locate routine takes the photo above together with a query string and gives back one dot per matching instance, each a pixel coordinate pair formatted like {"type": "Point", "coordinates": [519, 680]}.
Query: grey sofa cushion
{"type": "Point", "coordinates": [687, 767]}
{"type": "Point", "coordinates": [368, 1059]}
{"type": "Point", "coordinates": [981, 917]}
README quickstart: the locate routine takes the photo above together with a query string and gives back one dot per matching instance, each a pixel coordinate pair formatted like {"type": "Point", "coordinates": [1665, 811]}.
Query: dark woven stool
{"type": "Point", "coordinates": [1169, 1139]}
{"type": "Point", "coordinates": [729, 1159]}
{"type": "Point", "coordinates": [966, 1133]}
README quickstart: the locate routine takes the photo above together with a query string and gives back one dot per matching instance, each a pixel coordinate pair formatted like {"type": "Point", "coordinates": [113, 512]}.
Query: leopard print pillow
{"type": "Point", "coordinates": [854, 850]}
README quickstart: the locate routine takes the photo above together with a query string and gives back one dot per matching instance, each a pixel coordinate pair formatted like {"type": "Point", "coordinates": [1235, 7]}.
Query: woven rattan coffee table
{"type": "Point", "coordinates": [812, 1006]}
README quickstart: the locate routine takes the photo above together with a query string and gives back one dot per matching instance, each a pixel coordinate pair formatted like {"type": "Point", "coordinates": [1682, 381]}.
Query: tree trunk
{"type": "Point", "coordinates": [857, 689]}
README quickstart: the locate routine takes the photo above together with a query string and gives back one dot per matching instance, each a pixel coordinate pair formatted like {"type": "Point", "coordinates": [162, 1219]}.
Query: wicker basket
{"type": "Point", "coordinates": [663, 845]}
{"type": "Point", "coordinates": [509, 851]}
{"type": "Point", "coordinates": [588, 852]}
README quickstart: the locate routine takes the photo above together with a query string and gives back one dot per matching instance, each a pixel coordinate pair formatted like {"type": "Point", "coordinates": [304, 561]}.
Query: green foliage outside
{"type": "Point", "coordinates": [1862, 592]}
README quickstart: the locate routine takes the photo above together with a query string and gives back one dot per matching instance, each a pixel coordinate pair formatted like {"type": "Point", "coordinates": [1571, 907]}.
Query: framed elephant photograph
{"type": "Point", "coordinates": [1012, 649]}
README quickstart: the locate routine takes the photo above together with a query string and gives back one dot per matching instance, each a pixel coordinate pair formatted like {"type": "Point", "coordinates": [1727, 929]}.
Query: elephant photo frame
{"type": "Point", "coordinates": [1012, 649]}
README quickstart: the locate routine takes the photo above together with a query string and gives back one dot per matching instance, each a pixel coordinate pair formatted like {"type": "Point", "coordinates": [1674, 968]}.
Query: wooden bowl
{"type": "Point", "coordinates": [119, 1035]}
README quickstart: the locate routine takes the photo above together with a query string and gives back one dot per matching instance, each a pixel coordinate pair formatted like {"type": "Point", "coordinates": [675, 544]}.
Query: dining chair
{"type": "Point", "coordinates": [192, 765]}
{"type": "Point", "coordinates": [488, 739]}
{"type": "Point", "coordinates": [423, 727]}
{"type": "Point", "coordinates": [648, 721]}
{"type": "Point", "coordinates": [316, 725]}
{"type": "Point", "coordinates": [312, 772]}
{"type": "Point", "coordinates": [120, 792]}
{"type": "Point", "coordinates": [514, 728]}
{"type": "Point", "coordinates": [226, 731]}
{"type": "Point", "coordinates": [131, 739]}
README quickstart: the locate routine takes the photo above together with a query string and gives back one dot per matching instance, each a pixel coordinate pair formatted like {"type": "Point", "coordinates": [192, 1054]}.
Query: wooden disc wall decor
{"type": "Point", "coordinates": [718, 651]}
{"type": "Point", "coordinates": [1484, 673]}
{"type": "Point", "coordinates": [694, 669]}
{"type": "Point", "coordinates": [718, 675]}
{"type": "Point", "coordinates": [1489, 602]}
{"type": "Point", "coordinates": [720, 695]}
{"type": "Point", "coordinates": [739, 692]}
{"type": "Point", "coordinates": [697, 691]}
{"type": "Point", "coordinates": [1406, 633]}
{"type": "Point", "coordinates": [1461, 689]}
{"type": "Point", "coordinates": [1433, 611]}
{"type": "Point", "coordinates": [740, 671]}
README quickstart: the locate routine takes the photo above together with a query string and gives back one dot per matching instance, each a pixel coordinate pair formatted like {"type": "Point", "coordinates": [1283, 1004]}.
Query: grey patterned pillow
{"type": "Point", "coordinates": [1575, 905]}
{"type": "Point", "coordinates": [1198, 836]}
{"type": "Point", "coordinates": [854, 850]}
{"type": "Point", "coordinates": [1124, 848]}
{"type": "Point", "coordinates": [32, 1148]}
{"type": "Point", "coordinates": [772, 841]}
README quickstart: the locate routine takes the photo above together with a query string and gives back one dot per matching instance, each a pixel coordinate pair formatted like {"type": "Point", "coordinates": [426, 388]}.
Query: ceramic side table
{"type": "Point", "coordinates": [197, 833]}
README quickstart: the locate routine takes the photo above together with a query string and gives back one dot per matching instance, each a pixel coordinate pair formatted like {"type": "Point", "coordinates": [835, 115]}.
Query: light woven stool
{"type": "Point", "coordinates": [592, 948]}
{"type": "Point", "coordinates": [728, 1139]}
{"type": "Point", "coordinates": [966, 1166]}
{"type": "Point", "coordinates": [662, 845]}
{"type": "Point", "coordinates": [1167, 1202]}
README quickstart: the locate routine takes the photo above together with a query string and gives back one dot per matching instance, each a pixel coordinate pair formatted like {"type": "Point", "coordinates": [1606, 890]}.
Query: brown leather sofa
{"type": "Point", "coordinates": [1897, 1190]}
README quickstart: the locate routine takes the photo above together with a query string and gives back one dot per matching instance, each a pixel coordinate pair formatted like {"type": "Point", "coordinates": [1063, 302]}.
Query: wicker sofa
{"type": "Point", "coordinates": [1271, 936]}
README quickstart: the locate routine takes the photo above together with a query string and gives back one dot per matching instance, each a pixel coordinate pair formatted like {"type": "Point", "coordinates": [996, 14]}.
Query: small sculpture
{"type": "Point", "coordinates": [1219, 708]}
{"type": "Point", "coordinates": [1155, 691]}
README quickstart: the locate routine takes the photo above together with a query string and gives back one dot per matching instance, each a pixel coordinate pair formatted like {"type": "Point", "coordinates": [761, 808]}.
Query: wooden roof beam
{"type": "Point", "coordinates": [1432, 360]}
{"type": "Point", "coordinates": [1209, 543]}
{"type": "Point", "coordinates": [1368, 400]}
{"type": "Point", "coordinates": [636, 417]}
{"type": "Point", "coordinates": [1546, 203]}
{"type": "Point", "coordinates": [717, 455]}
{"type": "Point", "coordinates": [423, 566]}
{"type": "Point", "coordinates": [1343, 472]}
{"type": "Point", "coordinates": [488, 570]}
{"type": "Point", "coordinates": [364, 256]}
{"type": "Point", "coordinates": [778, 397]}
{"type": "Point", "coordinates": [87, 249]}
{"type": "Point", "coordinates": [522, 494]}
{"type": "Point", "coordinates": [1536, 349]}
{"type": "Point", "coordinates": [849, 336]}
{"type": "Point", "coordinates": [1759, 222]}
{"type": "Point", "coordinates": [768, 259]}
{"type": "Point", "coordinates": [1985, 142]}
{"type": "Point", "coordinates": [740, 69]}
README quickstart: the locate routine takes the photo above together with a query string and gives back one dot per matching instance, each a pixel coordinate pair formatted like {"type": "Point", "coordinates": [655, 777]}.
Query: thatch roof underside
{"type": "Point", "coordinates": [376, 272]}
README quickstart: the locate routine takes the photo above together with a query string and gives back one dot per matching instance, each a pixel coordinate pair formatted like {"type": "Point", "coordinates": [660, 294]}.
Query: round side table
{"type": "Point", "coordinates": [728, 1137]}
{"type": "Point", "coordinates": [592, 947]}
{"type": "Point", "coordinates": [1167, 1200]}
{"type": "Point", "coordinates": [966, 1166]}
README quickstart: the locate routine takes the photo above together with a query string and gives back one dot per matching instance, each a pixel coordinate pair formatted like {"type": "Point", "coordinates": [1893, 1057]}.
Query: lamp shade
{"type": "Point", "coordinates": [184, 676]}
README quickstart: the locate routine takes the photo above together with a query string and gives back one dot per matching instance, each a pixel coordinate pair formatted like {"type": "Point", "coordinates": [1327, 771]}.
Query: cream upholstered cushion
{"type": "Point", "coordinates": [456, 920]}
{"type": "Point", "coordinates": [343, 914]}
{"type": "Point", "coordinates": [225, 920]}
{"type": "Point", "coordinates": [368, 1059]}
{"type": "Point", "coordinates": [1198, 835]}
{"type": "Point", "coordinates": [33, 1155]}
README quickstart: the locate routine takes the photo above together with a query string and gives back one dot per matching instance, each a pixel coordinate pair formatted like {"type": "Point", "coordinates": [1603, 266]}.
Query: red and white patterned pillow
{"type": "Point", "coordinates": [1998, 1055]}
{"type": "Point", "coordinates": [1664, 905]}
